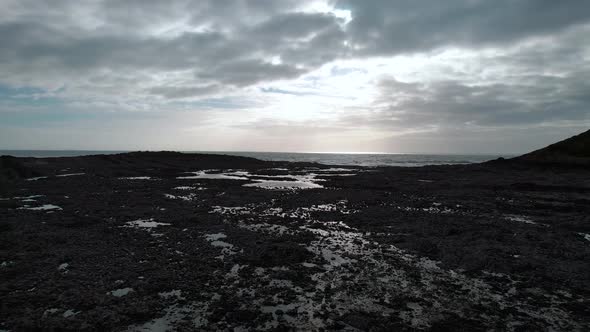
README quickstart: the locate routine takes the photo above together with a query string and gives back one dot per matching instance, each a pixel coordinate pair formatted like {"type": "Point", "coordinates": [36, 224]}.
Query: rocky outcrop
{"type": "Point", "coordinates": [572, 151]}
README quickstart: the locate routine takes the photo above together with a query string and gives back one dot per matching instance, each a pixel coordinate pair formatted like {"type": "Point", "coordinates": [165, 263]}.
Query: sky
{"type": "Point", "coordinates": [405, 76]}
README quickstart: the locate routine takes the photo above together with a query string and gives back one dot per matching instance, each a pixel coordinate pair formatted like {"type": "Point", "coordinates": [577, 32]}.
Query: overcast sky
{"type": "Point", "coordinates": [453, 76]}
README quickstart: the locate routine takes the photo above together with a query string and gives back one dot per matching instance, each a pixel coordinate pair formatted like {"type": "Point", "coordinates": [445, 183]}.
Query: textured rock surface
{"type": "Point", "coordinates": [136, 245]}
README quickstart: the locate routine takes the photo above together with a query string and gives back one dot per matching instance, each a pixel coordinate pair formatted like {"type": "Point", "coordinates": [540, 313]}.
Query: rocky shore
{"type": "Point", "coordinates": [169, 241]}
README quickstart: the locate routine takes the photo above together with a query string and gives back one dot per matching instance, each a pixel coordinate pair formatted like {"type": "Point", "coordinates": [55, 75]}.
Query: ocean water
{"type": "Point", "coordinates": [371, 159]}
{"type": "Point", "coordinates": [355, 159]}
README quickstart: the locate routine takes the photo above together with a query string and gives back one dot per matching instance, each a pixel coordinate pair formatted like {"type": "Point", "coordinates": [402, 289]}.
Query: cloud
{"type": "Point", "coordinates": [389, 27]}
{"type": "Point", "coordinates": [174, 92]}
{"type": "Point", "coordinates": [248, 72]}
{"type": "Point", "coordinates": [142, 36]}
{"type": "Point", "coordinates": [369, 69]}
{"type": "Point", "coordinates": [540, 100]}
{"type": "Point", "coordinates": [535, 83]}
{"type": "Point", "coordinates": [292, 27]}
{"type": "Point", "coordinates": [232, 43]}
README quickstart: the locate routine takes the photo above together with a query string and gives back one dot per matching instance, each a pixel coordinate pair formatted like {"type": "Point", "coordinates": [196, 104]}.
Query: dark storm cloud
{"type": "Point", "coordinates": [386, 27]}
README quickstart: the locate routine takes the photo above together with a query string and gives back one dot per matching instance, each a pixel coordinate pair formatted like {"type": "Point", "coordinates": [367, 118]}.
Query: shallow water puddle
{"type": "Point", "coordinates": [215, 176]}
{"type": "Point", "coordinates": [69, 174]}
{"type": "Point", "coordinates": [340, 207]}
{"type": "Point", "coordinates": [275, 182]}
{"type": "Point", "coordinates": [43, 207]}
{"type": "Point", "coordinates": [6, 263]}
{"type": "Point", "coordinates": [227, 249]}
{"type": "Point", "coordinates": [28, 197]}
{"type": "Point", "coordinates": [147, 224]}
{"type": "Point", "coordinates": [523, 219]}
{"type": "Point", "coordinates": [188, 188]}
{"type": "Point", "coordinates": [586, 236]}
{"type": "Point", "coordinates": [337, 169]}
{"type": "Point", "coordinates": [36, 178]}
{"type": "Point", "coordinates": [120, 292]}
{"type": "Point", "coordinates": [231, 210]}
{"type": "Point", "coordinates": [270, 184]}
{"type": "Point", "coordinates": [70, 313]}
{"type": "Point", "coordinates": [188, 197]}
{"type": "Point", "coordinates": [63, 268]}
{"type": "Point", "coordinates": [435, 208]}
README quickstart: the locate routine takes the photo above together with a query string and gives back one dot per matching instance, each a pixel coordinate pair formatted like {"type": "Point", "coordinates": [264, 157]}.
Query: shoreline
{"type": "Point", "coordinates": [351, 159]}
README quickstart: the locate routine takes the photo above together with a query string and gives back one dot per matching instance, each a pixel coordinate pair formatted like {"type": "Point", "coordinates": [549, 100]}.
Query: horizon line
{"type": "Point", "coordinates": [250, 151]}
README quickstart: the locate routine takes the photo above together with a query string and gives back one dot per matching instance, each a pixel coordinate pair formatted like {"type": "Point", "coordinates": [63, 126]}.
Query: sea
{"type": "Point", "coordinates": [349, 159]}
